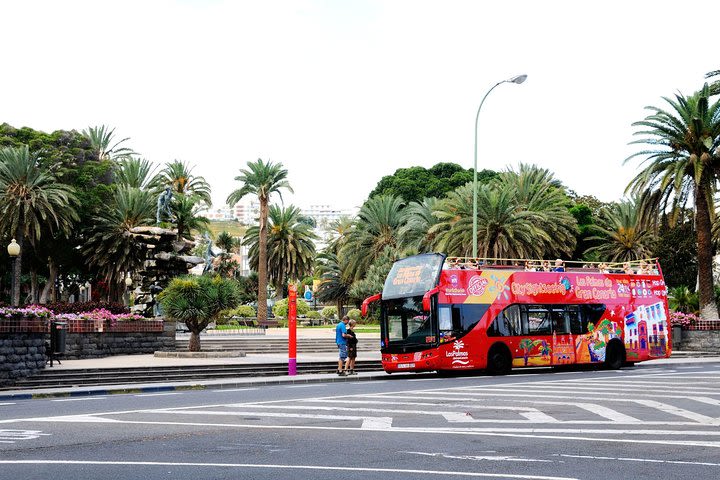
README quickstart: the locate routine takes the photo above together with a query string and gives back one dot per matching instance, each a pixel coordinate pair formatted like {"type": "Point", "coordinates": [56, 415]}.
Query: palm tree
{"type": "Point", "coordinates": [137, 173]}
{"type": "Point", "coordinates": [178, 175]}
{"type": "Point", "coordinates": [537, 191]}
{"type": "Point", "coordinates": [262, 179]}
{"type": "Point", "coordinates": [290, 246]}
{"type": "Point", "coordinates": [102, 142]}
{"type": "Point", "coordinates": [334, 283]}
{"type": "Point", "coordinates": [185, 209]}
{"type": "Point", "coordinates": [337, 232]}
{"type": "Point", "coordinates": [504, 231]}
{"type": "Point", "coordinates": [622, 234]}
{"type": "Point", "coordinates": [377, 227]}
{"type": "Point", "coordinates": [415, 234]}
{"type": "Point", "coordinates": [110, 245]}
{"type": "Point", "coordinates": [31, 200]}
{"type": "Point", "coordinates": [682, 164]}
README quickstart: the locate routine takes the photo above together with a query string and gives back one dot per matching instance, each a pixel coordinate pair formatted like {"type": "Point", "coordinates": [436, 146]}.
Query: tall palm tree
{"type": "Point", "coordinates": [682, 164]}
{"type": "Point", "coordinates": [178, 175]}
{"type": "Point", "coordinates": [623, 234]}
{"type": "Point", "coordinates": [262, 179]}
{"type": "Point", "coordinates": [137, 173]}
{"type": "Point", "coordinates": [415, 234]}
{"type": "Point", "coordinates": [102, 142]}
{"type": "Point", "coordinates": [110, 246]}
{"type": "Point", "coordinates": [290, 246]}
{"type": "Point", "coordinates": [337, 232]}
{"type": "Point", "coordinates": [31, 201]}
{"type": "Point", "coordinates": [377, 227]}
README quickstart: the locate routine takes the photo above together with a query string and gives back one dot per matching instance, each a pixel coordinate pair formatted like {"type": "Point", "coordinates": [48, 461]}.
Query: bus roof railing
{"type": "Point", "coordinates": [642, 266]}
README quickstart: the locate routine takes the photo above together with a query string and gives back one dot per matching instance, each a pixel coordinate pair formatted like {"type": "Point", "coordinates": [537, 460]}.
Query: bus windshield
{"type": "Point", "coordinates": [406, 324]}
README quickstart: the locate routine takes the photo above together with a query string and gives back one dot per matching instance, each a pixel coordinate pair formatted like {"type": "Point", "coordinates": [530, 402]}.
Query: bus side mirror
{"type": "Point", "coordinates": [426, 298]}
{"type": "Point", "coordinates": [367, 302]}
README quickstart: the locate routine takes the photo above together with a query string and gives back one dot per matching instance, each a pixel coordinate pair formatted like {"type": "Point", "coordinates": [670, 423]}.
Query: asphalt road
{"type": "Point", "coordinates": [651, 421]}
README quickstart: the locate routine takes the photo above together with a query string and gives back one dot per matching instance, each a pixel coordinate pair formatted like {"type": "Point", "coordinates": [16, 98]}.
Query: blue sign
{"type": "Point", "coordinates": [308, 295]}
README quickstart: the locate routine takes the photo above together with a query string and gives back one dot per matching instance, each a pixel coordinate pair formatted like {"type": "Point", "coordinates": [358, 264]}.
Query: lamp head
{"type": "Point", "coordinates": [518, 79]}
{"type": "Point", "coordinates": [128, 281]}
{"type": "Point", "coordinates": [13, 249]}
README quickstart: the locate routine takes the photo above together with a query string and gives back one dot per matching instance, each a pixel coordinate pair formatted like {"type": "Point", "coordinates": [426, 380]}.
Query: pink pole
{"type": "Point", "coordinates": [292, 329]}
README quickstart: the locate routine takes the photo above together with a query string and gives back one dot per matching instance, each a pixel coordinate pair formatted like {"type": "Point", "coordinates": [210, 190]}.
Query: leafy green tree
{"type": "Point", "coordinates": [376, 228]}
{"type": "Point", "coordinates": [178, 175]}
{"type": "Point", "coordinates": [290, 246]}
{"type": "Point", "coordinates": [197, 301]}
{"type": "Point", "coordinates": [682, 299]}
{"type": "Point", "coordinates": [374, 281]}
{"type": "Point", "coordinates": [103, 143]}
{"type": "Point", "coordinates": [261, 179]}
{"type": "Point", "coordinates": [622, 235]}
{"type": "Point", "coordinates": [676, 248]}
{"type": "Point", "coordinates": [31, 200]}
{"type": "Point", "coordinates": [248, 288]}
{"type": "Point", "coordinates": [681, 166]}
{"type": "Point", "coordinates": [280, 309]}
{"type": "Point", "coordinates": [110, 247]}
{"type": "Point", "coordinates": [413, 184]}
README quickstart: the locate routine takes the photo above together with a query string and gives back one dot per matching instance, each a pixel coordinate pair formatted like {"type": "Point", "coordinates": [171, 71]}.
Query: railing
{"type": "Point", "coordinates": [649, 266]}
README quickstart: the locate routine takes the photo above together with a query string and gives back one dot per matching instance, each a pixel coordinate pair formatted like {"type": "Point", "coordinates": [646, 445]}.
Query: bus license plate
{"type": "Point", "coordinates": [405, 365]}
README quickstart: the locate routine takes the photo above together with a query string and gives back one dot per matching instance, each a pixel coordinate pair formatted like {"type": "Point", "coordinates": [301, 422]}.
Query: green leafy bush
{"type": "Point", "coordinates": [312, 314]}
{"type": "Point", "coordinates": [280, 309]}
{"type": "Point", "coordinates": [354, 314]}
{"type": "Point", "coordinates": [243, 311]}
{"type": "Point", "coordinates": [329, 312]}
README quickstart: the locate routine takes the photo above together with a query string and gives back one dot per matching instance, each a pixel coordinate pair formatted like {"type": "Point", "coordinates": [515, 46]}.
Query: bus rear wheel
{"type": "Point", "coordinates": [614, 356]}
{"type": "Point", "coordinates": [499, 360]}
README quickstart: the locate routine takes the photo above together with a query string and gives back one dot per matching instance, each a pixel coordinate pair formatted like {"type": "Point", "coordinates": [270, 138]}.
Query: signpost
{"type": "Point", "coordinates": [292, 329]}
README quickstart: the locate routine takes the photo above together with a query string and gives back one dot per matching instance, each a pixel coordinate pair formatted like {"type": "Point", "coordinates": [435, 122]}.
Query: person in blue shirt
{"type": "Point", "coordinates": [341, 341]}
{"type": "Point", "coordinates": [559, 266]}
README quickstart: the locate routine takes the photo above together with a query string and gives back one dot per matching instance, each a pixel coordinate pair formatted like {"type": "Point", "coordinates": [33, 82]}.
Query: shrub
{"type": "Point", "coordinates": [312, 314]}
{"type": "Point", "coordinates": [280, 308]}
{"type": "Point", "coordinates": [354, 314]}
{"type": "Point", "coordinates": [329, 312]}
{"type": "Point", "coordinates": [80, 307]}
{"type": "Point", "coordinates": [243, 311]}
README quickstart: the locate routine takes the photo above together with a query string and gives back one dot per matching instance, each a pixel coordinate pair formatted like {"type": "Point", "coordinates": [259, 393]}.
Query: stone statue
{"type": "Point", "coordinates": [163, 204]}
{"type": "Point", "coordinates": [208, 254]}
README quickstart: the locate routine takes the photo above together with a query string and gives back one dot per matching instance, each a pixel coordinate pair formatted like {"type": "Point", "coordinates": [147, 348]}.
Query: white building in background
{"type": "Point", "coordinates": [325, 214]}
{"type": "Point", "coordinates": [246, 211]}
{"type": "Point", "coordinates": [223, 213]}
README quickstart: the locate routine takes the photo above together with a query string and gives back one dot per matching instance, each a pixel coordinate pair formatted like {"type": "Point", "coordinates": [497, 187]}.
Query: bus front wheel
{"type": "Point", "coordinates": [499, 360]}
{"type": "Point", "coordinates": [614, 356]}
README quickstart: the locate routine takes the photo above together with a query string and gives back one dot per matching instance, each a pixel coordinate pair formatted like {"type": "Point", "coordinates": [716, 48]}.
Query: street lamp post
{"type": "Point", "coordinates": [516, 79]}
{"type": "Point", "coordinates": [13, 250]}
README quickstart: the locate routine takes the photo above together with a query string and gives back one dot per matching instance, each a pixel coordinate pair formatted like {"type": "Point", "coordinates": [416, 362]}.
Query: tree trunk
{"type": "Point", "coordinates": [262, 261]}
{"type": "Point", "coordinates": [194, 343]}
{"type": "Point", "coordinates": [50, 282]}
{"type": "Point", "coordinates": [34, 294]}
{"type": "Point", "coordinates": [340, 308]}
{"type": "Point", "coordinates": [708, 307]}
{"type": "Point", "coordinates": [17, 270]}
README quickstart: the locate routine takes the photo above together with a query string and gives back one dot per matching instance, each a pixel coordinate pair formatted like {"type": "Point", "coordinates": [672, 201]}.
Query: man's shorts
{"type": "Point", "coordinates": [343, 351]}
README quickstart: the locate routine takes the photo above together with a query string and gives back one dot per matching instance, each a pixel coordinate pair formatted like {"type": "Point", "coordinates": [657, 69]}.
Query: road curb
{"type": "Point", "coordinates": [120, 390]}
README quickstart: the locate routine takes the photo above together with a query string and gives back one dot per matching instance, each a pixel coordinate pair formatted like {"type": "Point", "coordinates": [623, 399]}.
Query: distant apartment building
{"type": "Point", "coordinates": [325, 214]}
{"type": "Point", "coordinates": [218, 214]}
{"type": "Point", "coordinates": [246, 211]}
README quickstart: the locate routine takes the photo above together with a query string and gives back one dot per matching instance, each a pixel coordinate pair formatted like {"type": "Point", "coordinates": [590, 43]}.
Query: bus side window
{"type": "Point", "coordinates": [573, 314]}
{"type": "Point", "coordinates": [560, 321]}
{"type": "Point", "coordinates": [538, 320]}
{"type": "Point", "coordinates": [507, 323]}
{"type": "Point", "coordinates": [591, 313]}
{"type": "Point", "coordinates": [444, 319]}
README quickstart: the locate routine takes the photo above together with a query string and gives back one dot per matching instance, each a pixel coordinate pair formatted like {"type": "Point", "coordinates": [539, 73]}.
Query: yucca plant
{"type": "Point", "coordinates": [197, 301]}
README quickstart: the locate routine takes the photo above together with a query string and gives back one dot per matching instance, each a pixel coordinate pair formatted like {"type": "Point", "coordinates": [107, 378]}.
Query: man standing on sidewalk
{"type": "Point", "coordinates": [340, 339]}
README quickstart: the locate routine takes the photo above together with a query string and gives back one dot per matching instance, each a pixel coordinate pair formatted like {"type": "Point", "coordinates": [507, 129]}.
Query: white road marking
{"type": "Point", "coordinates": [306, 386]}
{"type": "Point", "coordinates": [8, 403]}
{"type": "Point", "coordinates": [648, 460]}
{"type": "Point", "coordinates": [539, 417]}
{"type": "Point", "coordinates": [12, 436]}
{"type": "Point", "coordinates": [494, 458]}
{"type": "Point", "coordinates": [680, 412]}
{"type": "Point", "coordinates": [233, 390]}
{"type": "Point", "coordinates": [157, 394]}
{"type": "Point", "coordinates": [78, 399]}
{"type": "Point", "coordinates": [284, 467]}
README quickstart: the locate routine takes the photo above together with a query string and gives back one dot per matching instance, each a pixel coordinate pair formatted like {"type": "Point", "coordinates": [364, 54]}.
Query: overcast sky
{"type": "Point", "coordinates": [344, 92]}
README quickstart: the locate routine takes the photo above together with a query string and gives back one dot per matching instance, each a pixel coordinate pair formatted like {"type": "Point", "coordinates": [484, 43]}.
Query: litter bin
{"type": "Point", "coordinates": [58, 337]}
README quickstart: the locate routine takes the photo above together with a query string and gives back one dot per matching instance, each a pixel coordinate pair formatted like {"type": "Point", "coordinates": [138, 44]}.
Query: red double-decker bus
{"type": "Point", "coordinates": [448, 314]}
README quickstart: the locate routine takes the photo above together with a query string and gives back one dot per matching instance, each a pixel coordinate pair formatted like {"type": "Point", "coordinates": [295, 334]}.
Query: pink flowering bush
{"type": "Point", "coordinates": [680, 319]}
{"type": "Point", "coordinates": [32, 311]}
{"type": "Point", "coordinates": [100, 314]}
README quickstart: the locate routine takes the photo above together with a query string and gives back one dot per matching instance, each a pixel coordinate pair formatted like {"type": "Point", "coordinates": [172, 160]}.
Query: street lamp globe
{"type": "Point", "coordinates": [128, 281]}
{"type": "Point", "coordinates": [518, 79]}
{"type": "Point", "coordinates": [13, 249]}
